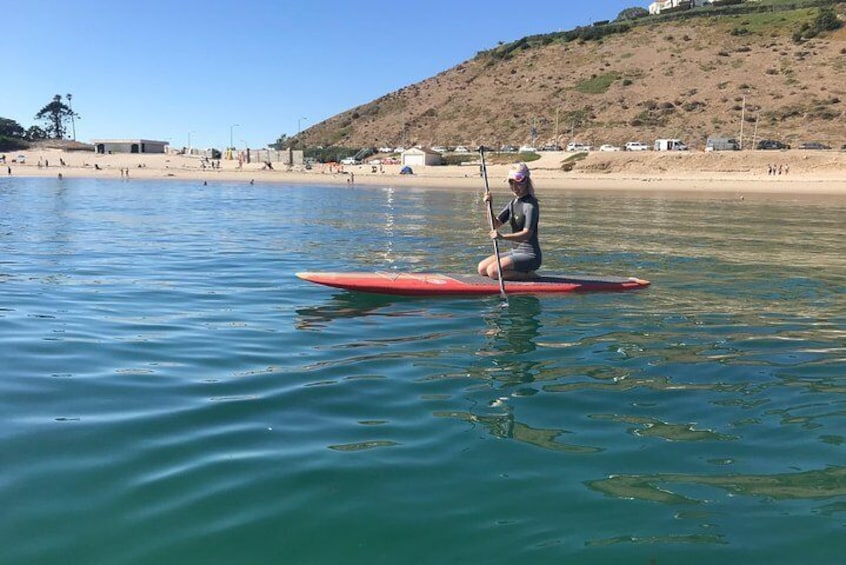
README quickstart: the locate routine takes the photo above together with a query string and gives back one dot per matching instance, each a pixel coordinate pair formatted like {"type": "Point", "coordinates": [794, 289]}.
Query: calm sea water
{"type": "Point", "coordinates": [171, 393]}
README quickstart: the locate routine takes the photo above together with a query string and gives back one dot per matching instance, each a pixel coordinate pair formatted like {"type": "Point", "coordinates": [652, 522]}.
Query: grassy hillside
{"type": "Point", "coordinates": [686, 75]}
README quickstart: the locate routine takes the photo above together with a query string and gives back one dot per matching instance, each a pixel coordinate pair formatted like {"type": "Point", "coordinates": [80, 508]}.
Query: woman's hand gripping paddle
{"type": "Point", "coordinates": [493, 227]}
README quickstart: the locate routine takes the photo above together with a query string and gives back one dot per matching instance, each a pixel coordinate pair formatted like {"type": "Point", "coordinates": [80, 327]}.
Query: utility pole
{"type": "Point", "coordinates": [534, 132]}
{"type": "Point", "coordinates": [556, 123]}
{"type": "Point", "coordinates": [742, 118]}
{"type": "Point", "coordinates": [299, 129]}
{"type": "Point", "coordinates": [73, 121]}
{"type": "Point", "coordinates": [231, 144]}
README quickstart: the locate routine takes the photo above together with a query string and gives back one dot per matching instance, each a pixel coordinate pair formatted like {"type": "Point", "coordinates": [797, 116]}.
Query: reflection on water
{"type": "Point", "coordinates": [510, 335]}
{"type": "Point", "coordinates": [809, 485]}
{"type": "Point", "coordinates": [652, 427]}
{"type": "Point", "coordinates": [349, 305]}
{"type": "Point", "coordinates": [514, 329]}
{"type": "Point", "coordinates": [389, 227]}
{"type": "Point", "coordinates": [504, 426]}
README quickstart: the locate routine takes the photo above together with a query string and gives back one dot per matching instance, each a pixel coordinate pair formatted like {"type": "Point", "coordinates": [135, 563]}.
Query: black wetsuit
{"type": "Point", "coordinates": [522, 213]}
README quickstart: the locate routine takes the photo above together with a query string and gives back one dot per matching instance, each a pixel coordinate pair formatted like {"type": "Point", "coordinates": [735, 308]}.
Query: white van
{"type": "Point", "coordinates": [670, 145]}
{"type": "Point", "coordinates": [722, 144]}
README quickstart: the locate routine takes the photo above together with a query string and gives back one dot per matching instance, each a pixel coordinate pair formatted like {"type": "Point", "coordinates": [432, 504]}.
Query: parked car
{"type": "Point", "coordinates": [508, 149]}
{"type": "Point", "coordinates": [670, 145]}
{"type": "Point", "coordinates": [350, 161]}
{"type": "Point", "coordinates": [462, 149]}
{"type": "Point", "coordinates": [608, 147]}
{"type": "Point", "coordinates": [722, 144]}
{"type": "Point", "coordinates": [574, 146]}
{"type": "Point", "coordinates": [551, 147]}
{"type": "Point", "coordinates": [772, 144]}
{"type": "Point", "coordinates": [814, 145]}
{"type": "Point", "coordinates": [636, 146]}
{"type": "Point", "coordinates": [528, 149]}
{"type": "Point", "coordinates": [440, 149]}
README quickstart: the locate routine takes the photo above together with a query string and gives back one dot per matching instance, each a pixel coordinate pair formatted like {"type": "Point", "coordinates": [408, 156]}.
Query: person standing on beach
{"type": "Point", "coordinates": [522, 214]}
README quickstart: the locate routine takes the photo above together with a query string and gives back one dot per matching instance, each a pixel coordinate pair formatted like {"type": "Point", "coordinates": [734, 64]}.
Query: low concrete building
{"type": "Point", "coordinates": [420, 157]}
{"type": "Point", "coordinates": [106, 146]}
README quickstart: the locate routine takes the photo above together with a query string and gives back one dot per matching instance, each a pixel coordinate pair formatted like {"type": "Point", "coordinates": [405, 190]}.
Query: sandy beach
{"type": "Point", "coordinates": [749, 172]}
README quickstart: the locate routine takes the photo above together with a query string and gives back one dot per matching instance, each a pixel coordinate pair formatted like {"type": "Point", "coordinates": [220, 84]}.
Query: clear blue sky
{"type": "Point", "coordinates": [170, 69]}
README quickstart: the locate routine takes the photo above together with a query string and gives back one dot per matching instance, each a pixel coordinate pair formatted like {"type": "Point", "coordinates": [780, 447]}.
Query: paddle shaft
{"type": "Point", "coordinates": [493, 226]}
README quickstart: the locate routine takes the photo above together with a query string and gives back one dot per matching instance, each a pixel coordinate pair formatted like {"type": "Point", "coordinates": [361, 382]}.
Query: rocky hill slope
{"type": "Point", "coordinates": [689, 79]}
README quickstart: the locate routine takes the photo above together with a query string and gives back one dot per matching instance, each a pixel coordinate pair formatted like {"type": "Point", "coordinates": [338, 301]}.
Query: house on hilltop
{"type": "Point", "coordinates": [664, 6]}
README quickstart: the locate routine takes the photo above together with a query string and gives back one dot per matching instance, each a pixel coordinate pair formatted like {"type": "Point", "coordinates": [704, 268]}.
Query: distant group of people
{"type": "Point", "coordinates": [778, 169]}
{"type": "Point", "coordinates": [46, 163]}
{"type": "Point", "coordinates": [206, 162]}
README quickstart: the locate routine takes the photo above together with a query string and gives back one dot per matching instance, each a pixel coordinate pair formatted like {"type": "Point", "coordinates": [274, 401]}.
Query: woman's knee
{"type": "Point", "coordinates": [482, 268]}
{"type": "Point", "coordinates": [493, 270]}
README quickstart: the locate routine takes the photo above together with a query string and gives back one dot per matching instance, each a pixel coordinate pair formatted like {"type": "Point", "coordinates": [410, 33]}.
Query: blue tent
{"type": "Point", "coordinates": [406, 171]}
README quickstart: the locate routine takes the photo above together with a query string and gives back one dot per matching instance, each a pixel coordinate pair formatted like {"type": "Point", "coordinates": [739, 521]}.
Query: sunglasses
{"type": "Point", "coordinates": [517, 179]}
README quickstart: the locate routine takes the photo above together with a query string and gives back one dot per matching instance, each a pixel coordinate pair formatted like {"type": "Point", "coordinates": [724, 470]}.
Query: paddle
{"type": "Point", "coordinates": [491, 220]}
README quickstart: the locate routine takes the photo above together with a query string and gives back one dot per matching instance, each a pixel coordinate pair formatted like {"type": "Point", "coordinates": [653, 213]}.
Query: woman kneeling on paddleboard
{"type": "Point", "coordinates": [522, 214]}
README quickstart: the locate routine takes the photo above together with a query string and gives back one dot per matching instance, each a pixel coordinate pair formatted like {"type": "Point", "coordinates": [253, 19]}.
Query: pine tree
{"type": "Point", "coordinates": [56, 114]}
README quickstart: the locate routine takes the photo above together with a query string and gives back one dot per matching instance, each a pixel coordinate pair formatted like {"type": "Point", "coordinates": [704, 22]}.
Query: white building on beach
{"type": "Point", "coordinates": [107, 146]}
{"type": "Point", "coordinates": [420, 157]}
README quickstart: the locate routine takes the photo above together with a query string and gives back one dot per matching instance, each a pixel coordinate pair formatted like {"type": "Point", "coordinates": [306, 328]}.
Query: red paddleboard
{"type": "Point", "coordinates": [433, 284]}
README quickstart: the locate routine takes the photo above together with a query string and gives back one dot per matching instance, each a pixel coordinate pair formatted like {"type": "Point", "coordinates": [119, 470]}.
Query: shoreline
{"type": "Point", "coordinates": [819, 174]}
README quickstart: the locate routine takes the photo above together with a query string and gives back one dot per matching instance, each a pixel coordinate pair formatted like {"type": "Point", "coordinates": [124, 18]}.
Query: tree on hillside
{"type": "Point", "coordinates": [826, 20]}
{"type": "Point", "coordinates": [11, 135]}
{"type": "Point", "coordinates": [10, 128]}
{"type": "Point", "coordinates": [282, 143]}
{"type": "Point", "coordinates": [36, 133]}
{"type": "Point", "coordinates": [56, 114]}
{"type": "Point", "coordinates": [632, 13]}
